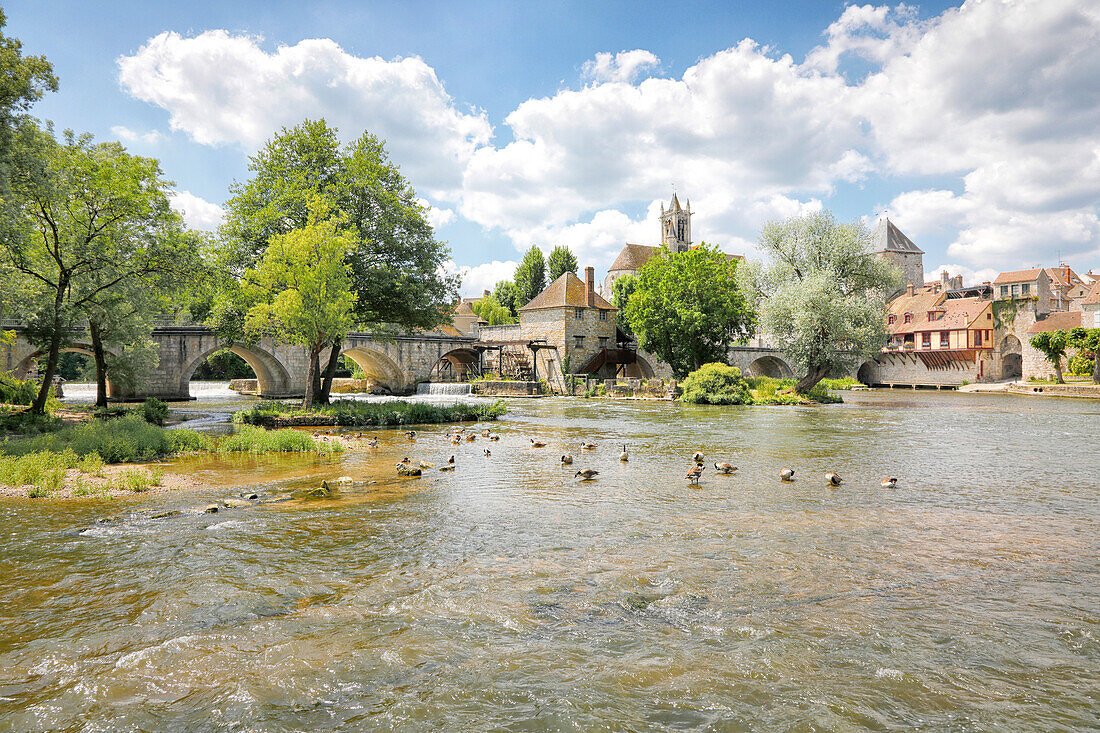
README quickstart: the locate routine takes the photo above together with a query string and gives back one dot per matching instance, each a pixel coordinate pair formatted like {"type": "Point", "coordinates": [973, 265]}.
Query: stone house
{"type": "Point", "coordinates": [465, 320]}
{"type": "Point", "coordinates": [1065, 285]}
{"type": "Point", "coordinates": [1090, 307]}
{"type": "Point", "coordinates": [1034, 283]}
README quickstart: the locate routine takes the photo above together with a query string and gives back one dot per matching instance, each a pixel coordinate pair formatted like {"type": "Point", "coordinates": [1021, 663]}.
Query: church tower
{"type": "Point", "coordinates": [676, 226]}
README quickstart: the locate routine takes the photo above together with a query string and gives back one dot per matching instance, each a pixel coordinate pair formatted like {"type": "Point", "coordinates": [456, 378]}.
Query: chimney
{"type": "Point", "coordinates": [909, 290]}
{"type": "Point", "coordinates": [590, 285]}
{"type": "Point", "coordinates": [1066, 276]}
{"type": "Point", "coordinates": [485, 294]}
{"type": "Point", "coordinates": [987, 290]}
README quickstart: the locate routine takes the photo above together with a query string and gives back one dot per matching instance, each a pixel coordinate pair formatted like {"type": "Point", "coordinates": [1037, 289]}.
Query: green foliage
{"type": "Point", "coordinates": [224, 365]}
{"type": "Point", "coordinates": [154, 411]}
{"type": "Point", "coordinates": [842, 383]}
{"type": "Point", "coordinates": [395, 263]}
{"type": "Point", "coordinates": [353, 413]}
{"type": "Point", "coordinates": [1080, 365]}
{"type": "Point", "coordinates": [490, 309]}
{"type": "Point", "coordinates": [128, 439]}
{"type": "Point", "coordinates": [1088, 341]}
{"type": "Point", "coordinates": [772, 391]}
{"type": "Point", "coordinates": [23, 81]}
{"type": "Point", "coordinates": [715, 384]}
{"type": "Point", "coordinates": [91, 464]}
{"type": "Point", "coordinates": [135, 481]}
{"type": "Point", "coordinates": [16, 391]}
{"type": "Point", "coordinates": [1004, 312]}
{"type": "Point", "coordinates": [252, 439]}
{"type": "Point", "coordinates": [530, 277]}
{"type": "Point", "coordinates": [506, 294]}
{"type": "Point", "coordinates": [25, 422]}
{"type": "Point", "coordinates": [687, 307]}
{"type": "Point", "coordinates": [560, 261]}
{"type": "Point", "coordinates": [823, 294]}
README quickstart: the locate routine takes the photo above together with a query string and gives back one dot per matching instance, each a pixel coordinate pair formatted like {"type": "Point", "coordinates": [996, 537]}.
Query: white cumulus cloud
{"type": "Point", "coordinates": [624, 66]}
{"type": "Point", "coordinates": [480, 278]}
{"type": "Point", "coordinates": [198, 213]}
{"type": "Point", "coordinates": [125, 134]}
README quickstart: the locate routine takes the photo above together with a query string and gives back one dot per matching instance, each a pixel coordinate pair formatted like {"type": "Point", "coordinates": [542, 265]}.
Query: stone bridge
{"type": "Point", "coordinates": [395, 362]}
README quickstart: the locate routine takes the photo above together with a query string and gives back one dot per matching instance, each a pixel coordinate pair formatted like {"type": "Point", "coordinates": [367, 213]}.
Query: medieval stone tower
{"type": "Point", "coordinates": [676, 226]}
{"type": "Point", "coordinates": [892, 245]}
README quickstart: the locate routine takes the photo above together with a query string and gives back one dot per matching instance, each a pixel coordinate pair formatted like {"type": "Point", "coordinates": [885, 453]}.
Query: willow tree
{"type": "Point", "coordinates": [821, 294]}
{"type": "Point", "coordinates": [302, 291]}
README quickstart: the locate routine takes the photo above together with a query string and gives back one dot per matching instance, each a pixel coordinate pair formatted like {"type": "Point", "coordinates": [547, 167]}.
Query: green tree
{"type": "Point", "coordinates": [491, 311]}
{"type": "Point", "coordinates": [530, 277]}
{"type": "Point", "coordinates": [560, 261]}
{"type": "Point", "coordinates": [621, 290]}
{"type": "Point", "coordinates": [302, 290]}
{"type": "Point", "coordinates": [395, 264]}
{"type": "Point", "coordinates": [23, 81]}
{"type": "Point", "coordinates": [82, 224]}
{"type": "Point", "coordinates": [1088, 341]}
{"type": "Point", "coordinates": [822, 296]}
{"type": "Point", "coordinates": [506, 294]}
{"type": "Point", "coordinates": [1053, 346]}
{"type": "Point", "coordinates": [687, 307]}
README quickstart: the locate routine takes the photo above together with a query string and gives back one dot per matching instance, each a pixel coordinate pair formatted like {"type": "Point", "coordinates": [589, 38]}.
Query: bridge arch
{"type": "Point", "coordinates": [770, 366]}
{"type": "Point", "coordinates": [24, 364]}
{"type": "Point", "coordinates": [455, 365]}
{"type": "Point", "coordinates": [867, 374]}
{"type": "Point", "coordinates": [271, 376]}
{"type": "Point", "coordinates": [377, 366]}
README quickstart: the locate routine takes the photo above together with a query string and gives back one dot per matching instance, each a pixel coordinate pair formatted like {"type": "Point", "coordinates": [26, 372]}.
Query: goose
{"type": "Point", "coordinates": [451, 460]}
{"type": "Point", "coordinates": [406, 460]}
{"type": "Point", "coordinates": [624, 456]}
{"type": "Point", "coordinates": [588, 446]}
{"type": "Point", "coordinates": [889, 483]}
{"type": "Point", "coordinates": [488, 453]}
{"type": "Point", "coordinates": [410, 434]}
{"type": "Point", "coordinates": [725, 468]}
{"type": "Point", "coordinates": [697, 457]}
{"type": "Point", "coordinates": [494, 437]}
{"type": "Point", "coordinates": [787, 474]}
{"type": "Point", "coordinates": [566, 460]}
{"type": "Point", "coordinates": [456, 440]}
{"type": "Point", "coordinates": [485, 433]}
{"type": "Point", "coordinates": [695, 472]}
{"type": "Point", "coordinates": [833, 479]}
{"type": "Point", "coordinates": [372, 443]}
{"type": "Point", "coordinates": [587, 474]}
{"type": "Point", "coordinates": [447, 468]}
{"type": "Point", "coordinates": [537, 443]}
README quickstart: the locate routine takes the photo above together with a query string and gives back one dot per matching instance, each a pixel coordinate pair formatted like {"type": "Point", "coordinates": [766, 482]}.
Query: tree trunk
{"type": "Point", "coordinates": [810, 381]}
{"type": "Point", "coordinates": [330, 372]}
{"type": "Point", "coordinates": [311, 378]}
{"type": "Point", "coordinates": [100, 365]}
{"type": "Point", "coordinates": [39, 406]}
{"type": "Point", "coordinates": [1096, 366]}
{"type": "Point", "coordinates": [1058, 371]}
{"type": "Point", "coordinates": [315, 365]}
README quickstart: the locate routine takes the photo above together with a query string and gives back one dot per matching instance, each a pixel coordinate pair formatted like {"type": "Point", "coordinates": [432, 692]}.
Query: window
{"type": "Point", "coordinates": [603, 315]}
{"type": "Point", "coordinates": [1025, 289]}
{"type": "Point", "coordinates": [891, 318]}
{"type": "Point", "coordinates": [578, 341]}
{"type": "Point", "coordinates": [926, 340]}
{"type": "Point", "coordinates": [945, 339]}
{"type": "Point", "coordinates": [977, 338]}
{"type": "Point", "coordinates": [578, 313]}
{"type": "Point", "coordinates": [603, 342]}
{"type": "Point", "coordinates": [908, 317]}
{"type": "Point", "coordinates": [1015, 290]}
{"type": "Point", "coordinates": [933, 315]}
{"type": "Point", "coordinates": [1004, 291]}
{"type": "Point", "coordinates": [989, 316]}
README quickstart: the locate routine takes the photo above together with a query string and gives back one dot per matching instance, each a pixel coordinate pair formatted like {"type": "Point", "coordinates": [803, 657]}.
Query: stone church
{"type": "Point", "coordinates": [675, 234]}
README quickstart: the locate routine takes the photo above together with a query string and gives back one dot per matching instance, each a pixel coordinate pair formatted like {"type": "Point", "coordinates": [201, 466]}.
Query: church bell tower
{"type": "Point", "coordinates": [676, 226]}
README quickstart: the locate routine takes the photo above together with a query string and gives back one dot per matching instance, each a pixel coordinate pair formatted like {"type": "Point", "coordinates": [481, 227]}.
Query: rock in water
{"type": "Point", "coordinates": [235, 503]}
{"type": "Point", "coordinates": [404, 469]}
{"type": "Point", "coordinates": [166, 514]}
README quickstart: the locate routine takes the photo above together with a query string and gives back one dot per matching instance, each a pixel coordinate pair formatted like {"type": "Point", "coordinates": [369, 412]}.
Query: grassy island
{"type": "Point", "coordinates": [721, 384]}
{"type": "Point", "coordinates": [352, 413]}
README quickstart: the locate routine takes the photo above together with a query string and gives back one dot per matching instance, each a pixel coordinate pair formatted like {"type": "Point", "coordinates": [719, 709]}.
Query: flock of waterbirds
{"type": "Point", "coordinates": [459, 434]}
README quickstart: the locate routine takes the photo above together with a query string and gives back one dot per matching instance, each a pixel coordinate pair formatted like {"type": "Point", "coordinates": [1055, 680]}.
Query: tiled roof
{"type": "Point", "coordinates": [568, 291]}
{"type": "Point", "coordinates": [464, 309]}
{"type": "Point", "coordinates": [958, 313]}
{"type": "Point", "coordinates": [633, 257]}
{"type": "Point", "coordinates": [1094, 294]}
{"type": "Point", "coordinates": [1064, 320]}
{"type": "Point", "coordinates": [1018, 276]}
{"type": "Point", "coordinates": [888, 238]}
{"type": "Point", "coordinates": [1058, 276]}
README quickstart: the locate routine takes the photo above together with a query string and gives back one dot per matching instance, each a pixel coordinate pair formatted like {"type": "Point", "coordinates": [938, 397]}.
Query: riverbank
{"type": "Point", "coordinates": [1085, 390]}
{"type": "Point", "coordinates": [353, 413]}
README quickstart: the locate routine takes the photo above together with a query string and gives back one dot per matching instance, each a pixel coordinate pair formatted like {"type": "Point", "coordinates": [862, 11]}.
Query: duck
{"type": "Point", "coordinates": [697, 457]}
{"type": "Point", "coordinates": [372, 443]}
{"type": "Point", "coordinates": [410, 434]}
{"type": "Point", "coordinates": [695, 472]}
{"type": "Point", "coordinates": [537, 443]}
{"type": "Point", "coordinates": [587, 474]}
{"type": "Point", "coordinates": [567, 460]}
{"type": "Point", "coordinates": [456, 440]}
{"type": "Point", "coordinates": [725, 468]}
{"type": "Point", "coordinates": [833, 479]}
{"type": "Point", "coordinates": [406, 460]}
{"type": "Point", "coordinates": [624, 456]}
{"type": "Point", "coordinates": [588, 446]}
{"type": "Point", "coordinates": [787, 474]}
{"type": "Point", "coordinates": [488, 453]}
{"type": "Point", "coordinates": [889, 483]}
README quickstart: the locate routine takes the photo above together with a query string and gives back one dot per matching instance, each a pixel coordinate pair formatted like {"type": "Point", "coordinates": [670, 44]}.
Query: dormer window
{"type": "Point", "coordinates": [933, 315]}
{"type": "Point", "coordinates": [891, 318]}
{"type": "Point", "coordinates": [908, 317]}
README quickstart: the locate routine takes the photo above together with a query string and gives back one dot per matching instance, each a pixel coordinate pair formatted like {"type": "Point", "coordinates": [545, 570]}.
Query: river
{"type": "Point", "coordinates": [507, 595]}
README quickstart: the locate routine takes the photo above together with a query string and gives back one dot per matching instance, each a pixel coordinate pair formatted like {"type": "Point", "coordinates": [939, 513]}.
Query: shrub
{"type": "Point", "coordinates": [154, 411]}
{"type": "Point", "coordinates": [91, 464]}
{"type": "Point", "coordinates": [352, 413]}
{"type": "Point", "coordinates": [16, 391]}
{"type": "Point", "coordinates": [135, 481]}
{"type": "Point", "coordinates": [1081, 365]}
{"type": "Point", "coordinates": [251, 439]}
{"type": "Point", "coordinates": [28, 423]}
{"type": "Point", "coordinates": [716, 384]}
{"type": "Point", "coordinates": [125, 440]}
{"type": "Point", "coordinates": [842, 383]}
{"type": "Point", "coordinates": [184, 440]}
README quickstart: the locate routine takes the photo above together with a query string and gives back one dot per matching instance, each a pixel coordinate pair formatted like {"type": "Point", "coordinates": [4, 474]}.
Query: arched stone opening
{"type": "Point", "coordinates": [458, 365]}
{"type": "Point", "coordinates": [377, 366]}
{"type": "Point", "coordinates": [770, 366]}
{"type": "Point", "coordinates": [23, 367]}
{"type": "Point", "coordinates": [640, 369]}
{"type": "Point", "coordinates": [1012, 366]}
{"type": "Point", "coordinates": [271, 376]}
{"type": "Point", "coordinates": [868, 374]}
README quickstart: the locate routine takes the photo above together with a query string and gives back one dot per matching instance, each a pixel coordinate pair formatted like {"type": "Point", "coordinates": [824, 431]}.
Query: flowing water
{"type": "Point", "coordinates": [507, 595]}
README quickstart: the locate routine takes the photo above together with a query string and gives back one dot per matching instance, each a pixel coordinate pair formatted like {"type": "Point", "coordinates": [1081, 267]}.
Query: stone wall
{"type": "Point", "coordinates": [506, 389]}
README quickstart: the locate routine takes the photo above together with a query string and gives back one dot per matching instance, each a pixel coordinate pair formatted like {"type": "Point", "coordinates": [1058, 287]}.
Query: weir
{"type": "Point", "coordinates": [443, 388]}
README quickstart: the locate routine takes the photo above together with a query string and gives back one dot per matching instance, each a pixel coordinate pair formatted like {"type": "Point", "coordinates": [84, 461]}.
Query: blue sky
{"type": "Point", "coordinates": [540, 123]}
